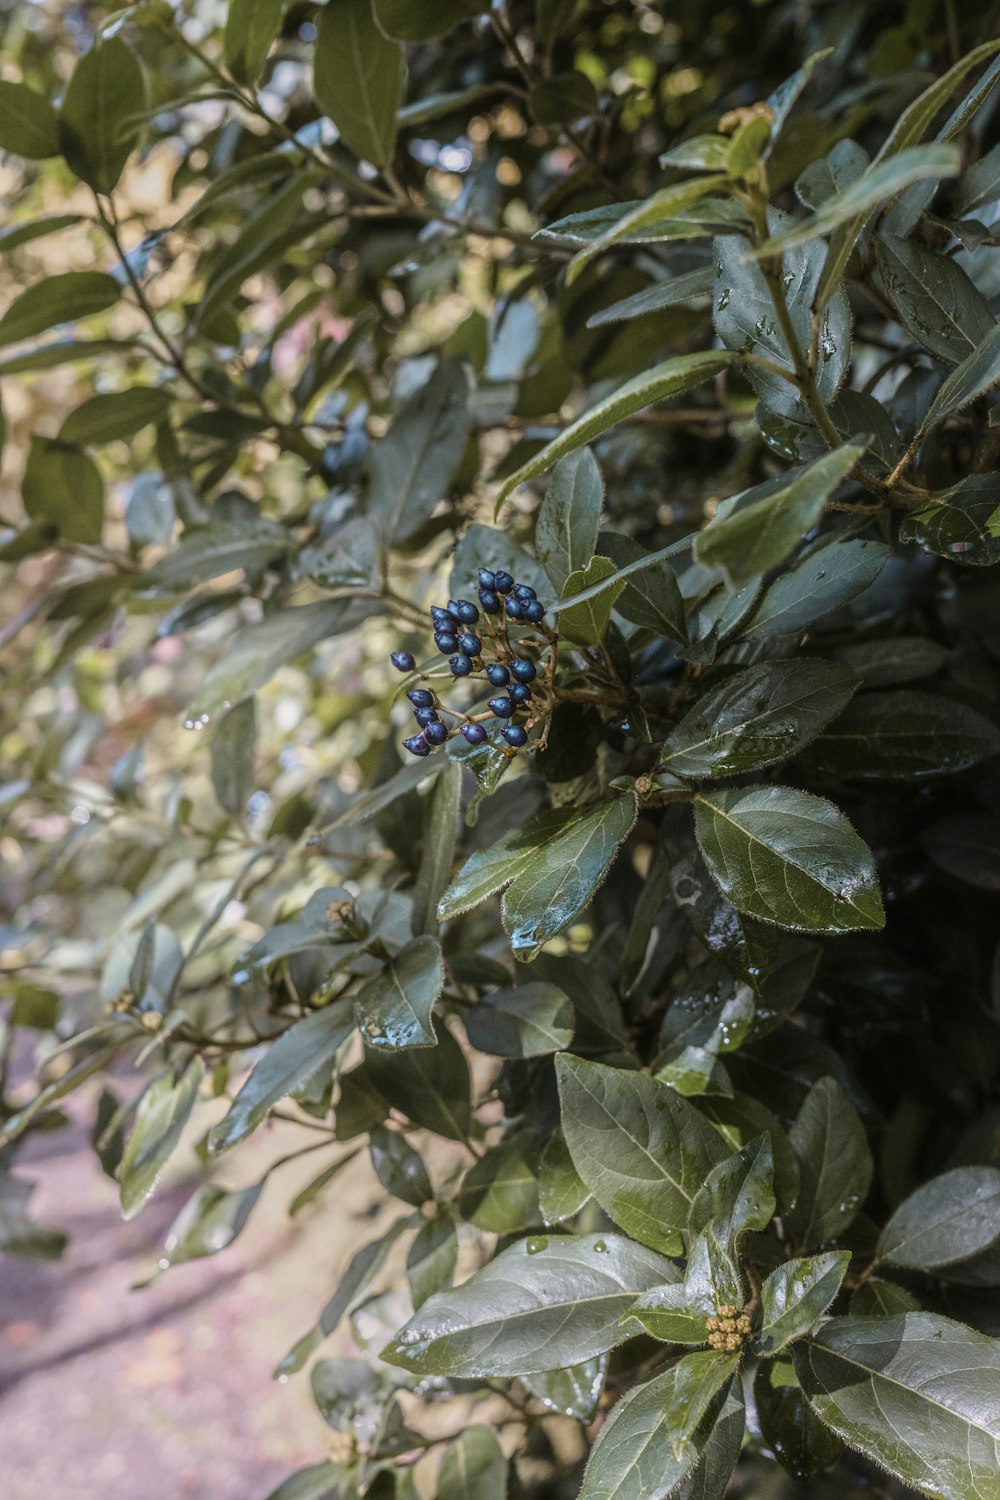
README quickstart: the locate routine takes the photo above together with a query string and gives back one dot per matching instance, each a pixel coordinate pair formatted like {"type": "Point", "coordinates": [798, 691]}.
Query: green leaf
{"type": "Point", "coordinates": [394, 1007]}
{"type": "Point", "coordinates": [255, 653]}
{"type": "Point", "coordinates": [914, 1393]}
{"type": "Point", "coordinates": [488, 547]}
{"type": "Point", "coordinates": [438, 847]}
{"type": "Point", "coordinates": [707, 217]}
{"type": "Point", "coordinates": [979, 183]}
{"type": "Point", "coordinates": [320, 1481]}
{"type": "Point", "coordinates": [278, 223]}
{"type": "Point", "coordinates": [97, 129]}
{"type": "Point", "coordinates": [800, 1442]}
{"type": "Point", "coordinates": [737, 1195]}
{"type": "Point", "coordinates": [561, 1191]}
{"type": "Point", "coordinates": [430, 1085]}
{"type": "Point", "coordinates": [691, 286]}
{"type": "Point", "coordinates": [667, 1314]}
{"type": "Point", "coordinates": [748, 536]}
{"type": "Point", "coordinates": [878, 1298]}
{"type": "Point", "coordinates": [652, 599]}
{"type": "Point", "coordinates": [369, 804]}
{"type": "Point", "coordinates": [63, 485]}
{"type": "Point", "coordinates": [528, 1021]}
{"type": "Point", "coordinates": [162, 1114]}
{"type": "Point", "coordinates": [916, 119]}
{"type": "Point", "coordinates": [431, 1259]}
{"type": "Point", "coordinates": [251, 26]}
{"type": "Point", "coordinates": [950, 1218]}
{"type": "Point", "coordinates": [826, 578]}
{"type": "Point", "coordinates": [936, 301]}
{"type": "Point", "coordinates": [759, 716]}
{"type": "Point", "coordinates": [116, 415]}
{"type": "Point", "coordinates": [710, 1477]}
{"type": "Point", "coordinates": [835, 1165]}
{"type": "Point", "coordinates": [826, 178]}
{"type": "Point", "coordinates": [414, 464]}
{"type": "Point", "coordinates": [209, 551]}
{"type": "Point", "coordinates": [488, 870]}
{"type": "Point", "coordinates": [302, 1050]}
{"type": "Point", "coordinates": [885, 663]}
{"type": "Point", "coordinates": [641, 1149]}
{"type": "Point", "coordinates": [547, 1302]}
{"type": "Point", "coordinates": [788, 857]}
{"type": "Point", "coordinates": [574, 1392]}
{"type": "Point", "coordinates": [419, 20]}
{"type": "Point", "coordinates": [663, 380]}
{"type": "Point", "coordinates": [62, 352]}
{"type": "Point", "coordinates": [557, 880]}
{"type": "Point", "coordinates": [657, 210]}
{"type": "Point", "coordinates": [795, 1296]}
{"type": "Point", "coordinates": [29, 126]}
{"type": "Point", "coordinates": [883, 179]}
{"type": "Point", "coordinates": [234, 745]}
{"type": "Point", "coordinates": [654, 1436]}
{"type": "Point", "coordinates": [586, 624]}
{"type": "Point", "coordinates": [973, 377]}
{"type": "Point", "coordinates": [473, 1467]}
{"type": "Point", "coordinates": [782, 100]}
{"type": "Point", "coordinates": [399, 1168]}
{"type": "Point", "coordinates": [903, 735]}
{"type": "Point", "coordinates": [563, 98]}
{"type": "Point", "coordinates": [57, 299]}
{"type": "Point", "coordinates": [358, 78]}
{"type": "Point", "coordinates": [209, 1222]}
{"type": "Point", "coordinates": [746, 322]}
{"type": "Point", "coordinates": [569, 516]}
{"type": "Point", "coordinates": [25, 232]}
{"type": "Point", "coordinates": [500, 1192]}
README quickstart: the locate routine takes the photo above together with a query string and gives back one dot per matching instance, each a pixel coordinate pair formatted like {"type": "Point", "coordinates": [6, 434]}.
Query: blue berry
{"type": "Point", "coordinates": [417, 745]}
{"type": "Point", "coordinates": [474, 733]}
{"type": "Point", "coordinates": [470, 644]}
{"type": "Point", "coordinates": [466, 612]}
{"type": "Point", "coordinates": [524, 591]}
{"type": "Point", "coordinates": [425, 716]}
{"type": "Point", "coordinates": [515, 609]}
{"type": "Point", "coordinates": [502, 707]}
{"type": "Point", "coordinates": [460, 665]}
{"type": "Point", "coordinates": [523, 669]}
{"type": "Point", "coordinates": [402, 661]}
{"type": "Point", "coordinates": [490, 600]}
{"type": "Point", "coordinates": [498, 674]}
{"type": "Point", "coordinates": [436, 733]}
{"type": "Point", "coordinates": [487, 578]}
{"type": "Point", "coordinates": [520, 692]}
{"type": "Point", "coordinates": [514, 735]}
{"type": "Point", "coordinates": [454, 605]}
{"type": "Point", "coordinates": [446, 642]}
{"type": "Point", "coordinates": [503, 582]}
{"type": "Point", "coordinates": [533, 611]}
{"type": "Point", "coordinates": [420, 697]}
{"type": "Point", "coordinates": [442, 617]}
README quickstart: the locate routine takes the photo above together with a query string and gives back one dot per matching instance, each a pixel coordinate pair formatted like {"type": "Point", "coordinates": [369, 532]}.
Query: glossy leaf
{"type": "Point", "coordinates": [438, 853]}
{"type": "Point", "coordinates": [935, 299]}
{"type": "Point", "coordinates": [488, 870]}
{"type": "Point", "coordinates": [162, 1114]}
{"type": "Point", "coordinates": [399, 1167]}
{"type": "Point", "coordinates": [691, 286]}
{"type": "Point", "coordinates": [574, 1392]}
{"type": "Point", "coordinates": [473, 1467]}
{"type": "Point", "coordinates": [951, 1218]}
{"type": "Point", "coordinates": [640, 1148]}
{"type": "Point", "coordinates": [973, 377]}
{"type": "Point", "coordinates": [709, 1479]}
{"type": "Point", "coordinates": [586, 624]}
{"type": "Point", "coordinates": [961, 523]}
{"type": "Point", "coordinates": [431, 1259]}
{"type": "Point", "coordinates": [97, 130]}
{"type": "Point", "coordinates": [528, 1021]}
{"type": "Point", "coordinates": [835, 1165]}
{"type": "Point", "coordinates": [914, 1393]}
{"type": "Point", "coordinates": [547, 1302]}
{"type": "Point", "coordinates": [208, 1223]}
{"type": "Point", "coordinates": [788, 857]}
{"type": "Point", "coordinates": [657, 210]}
{"type": "Point", "coordinates": [569, 516]}
{"type": "Point", "coordinates": [757, 717]}
{"type": "Point", "coordinates": [904, 735]}
{"type": "Point", "coordinates": [737, 1195]}
{"type": "Point", "coordinates": [58, 299]}
{"type": "Point", "coordinates": [795, 1296]}
{"type": "Point", "coordinates": [650, 596]}
{"type": "Point", "coordinates": [800, 1441]}
{"type": "Point", "coordinates": [826, 578]}
{"type": "Point", "coordinates": [429, 1084]}
{"type": "Point", "coordinates": [413, 465]}
{"type": "Point", "coordinates": [358, 78]}
{"type": "Point", "coordinates": [499, 1193]}
{"type": "Point", "coordinates": [562, 1193]}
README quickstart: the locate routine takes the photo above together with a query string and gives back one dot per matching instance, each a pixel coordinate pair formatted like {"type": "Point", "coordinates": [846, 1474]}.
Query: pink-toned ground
{"type": "Point", "coordinates": [112, 1394]}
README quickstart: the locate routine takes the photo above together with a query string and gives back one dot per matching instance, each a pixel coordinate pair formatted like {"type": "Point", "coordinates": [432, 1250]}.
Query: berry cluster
{"type": "Point", "coordinates": [459, 629]}
{"type": "Point", "coordinates": [728, 1330]}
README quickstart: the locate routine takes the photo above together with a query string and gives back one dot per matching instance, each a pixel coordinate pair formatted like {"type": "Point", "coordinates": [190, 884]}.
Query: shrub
{"type": "Point", "coordinates": [664, 998]}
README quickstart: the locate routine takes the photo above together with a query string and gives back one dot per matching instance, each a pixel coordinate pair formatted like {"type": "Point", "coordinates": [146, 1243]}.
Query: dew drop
{"type": "Point", "coordinates": [536, 1243]}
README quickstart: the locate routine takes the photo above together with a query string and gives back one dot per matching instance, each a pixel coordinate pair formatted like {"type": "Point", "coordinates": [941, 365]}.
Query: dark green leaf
{"type": "Point", "coordinates": [788, 857]}
{"type": "Point", "coordinates": [400, 1168]}
{"type": "Point", "coordinates": [208, 1223]}
{"type": "Point", "coordinates": [961, 523]}
{"type": "Point", "coordinates": [904, 735]}
{"type": "Point", "coordinates": [431, 1260]}
{"type": "Point", "coordinates": [430, 1085]}
{"type": "Point", "coordinates": [162, 1114]}
{"type": "Point", "coordinates": [651, 214]}
{"type": "Point", "coordinates": [299, 1052]}
{"type": "Point", "coordinates": [500, 1192]}
{"type": "Point", "coordinates": [116, 415]}
{"type": "Point", "coordinates": [574, 1392]}
{"type": "Point", "coordinates": [835, 1165]}
{"type": "Point", "coordinates": [756, 718]}
{"type": "Point", "coordinates": [97, 129]}
{"type": "Point", "coordinates": [641, 1149]}
{"type": "Point", "coordinates": [394, 1007]}
{"type": "Point", "coordinates": [967, 847]}
{"type": "Point", "coordinates": [652, 597]}
{"type": "Point", "coordinates": [473, 1467]}
{"type": "Point", "coordinates": [251, 26]}
{"type": "Point", "coordinates": [561, 1191]}
{"type": "Point", "coordinates": [586, 624]}
{"type": "Point", "coordinates": [358, 79]}
{"type": "Point", "coordinates": [827, 577]}
{"type": "Point", "coordinates": [568, 517]}
{"type": "Point", "coordinates": [438, 847]}
{"type": "Point", "coordinates": [547, 1302]}
{"type": "Point", "coordinates": [234, 745]}
{"type": "Point", "coordinates": [950, 1218]}
{"type": "Point", "coordinates": [914, 1393]}
{"type": "Point", "coordinates": [878, 1298]}
{"type": "Point", "coordinates": [528, 1021]}
{"type": "Point", "coordinates": [737, 1195]}
{"type": "Point", "coordinates": [691, 286]}
{"type": "Point", "coordinates": [29, 125]}
{"type": "Point", "coordinates": [418, 20]}
{"type": "Point", "coordinates": [57, 299]}
{"type": "Point", "coordinates": [795, 1297]}
{"type": "Point", "coordinates": [935, 300]}
{"type": "Point", "coordinates": [801, 1443]}
{"type": "Point", "coordinates": [709, 1479]}
{"type": "Point", "coordinates": [488, 870]}
{"type": "Point", "coordinates": [413, 465]}
{"type": "Point", "coordinates": [973, 377]}
{"type": "Point", "coordinates": [63, 485]}
{"type": "Point", "coordinates": [563, 98]}
{"type": "Point", "coordinates": [901, 658]}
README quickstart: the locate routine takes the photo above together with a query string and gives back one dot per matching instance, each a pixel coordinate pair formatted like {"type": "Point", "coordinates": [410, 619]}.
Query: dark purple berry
{"type": "Point", "coordinates": [487, 578]}
{"type": "Point", "coordinates": [515, 609]}
{"type": "Point", "coordinates": [533, 611]}
{"type": "Point", "coordinates": [514, 735]}
{"type": "Point", "coordinates": [502, 707]}
{"type": "Point", "coordinates": [436, 733]}
{"type": "Point", "coordinates": [466, 612]}
{"type": "Point", "coordinates": [474, 733]}
{"type": "Point", "coordinates": [402, 661]}
{"type": "Point", "coordinates": [524, 591]}
{"type": "Point", "coordinates": [420, 697]}
{"type": "Point", "coordinates": [503, 582]}
{"type": "Point", "coordinates": [498, 674]}
{"type": "Point", "coordinates": [460, 665]}
{"type": "Point", "coordinates": [446, 642]}
{"type": "Point", "coordinates": [425, 716]}
{"type": "Point", "coordinates": [490, 600]}
{"type": "Point", "coordinates": [417, 745]}
{"type": "Point", "coordinates": [523, 669]}
{"type": "Point", "coordinates": [520, 692]}
{"type": "Point", "coordinates": [470, 644]}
